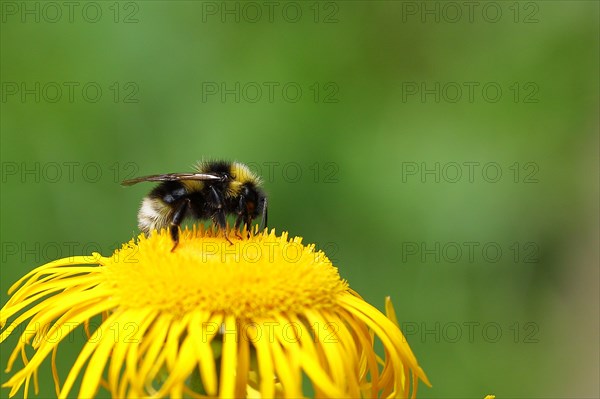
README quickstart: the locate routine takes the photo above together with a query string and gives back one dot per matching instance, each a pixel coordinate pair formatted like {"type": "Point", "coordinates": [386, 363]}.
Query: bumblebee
{"type": "Point", "coordinates": [214, 191]}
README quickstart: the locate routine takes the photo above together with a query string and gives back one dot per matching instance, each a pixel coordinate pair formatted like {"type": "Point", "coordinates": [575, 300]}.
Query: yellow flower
{"type": "Point", "coordinates": [264, 317]}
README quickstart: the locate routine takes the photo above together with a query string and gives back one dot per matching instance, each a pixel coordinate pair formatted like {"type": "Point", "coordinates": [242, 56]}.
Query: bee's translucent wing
{"type": "Point", "coordinates": [173, 177]}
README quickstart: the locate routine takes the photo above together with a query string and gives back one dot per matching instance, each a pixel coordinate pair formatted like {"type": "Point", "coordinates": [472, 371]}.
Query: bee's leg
{"type": "Point", "coordinates": [248, 223]}
{"type": "Point", "coordinates": [219, 215]}
{"type": "Point", "coordinates": [178, 217]}
{"type": "Point", "coordinates": [220, 220]}
{"type": "Point", "coordinates": [241, 210]}
{"type": "Point", "coordinates": [236, 226]}
{"type": "Point", "coordinates": [263, 210]}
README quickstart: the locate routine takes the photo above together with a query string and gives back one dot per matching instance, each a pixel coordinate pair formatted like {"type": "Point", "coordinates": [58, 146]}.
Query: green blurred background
{"type": "Point", "coordinates": [366, 120]}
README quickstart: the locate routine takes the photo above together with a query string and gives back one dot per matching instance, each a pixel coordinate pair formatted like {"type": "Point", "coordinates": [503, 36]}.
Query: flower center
{"type": "Point", "coordinates": [256, 277]}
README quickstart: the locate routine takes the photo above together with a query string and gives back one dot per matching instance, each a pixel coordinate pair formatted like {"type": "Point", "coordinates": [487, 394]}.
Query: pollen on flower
{"type": "Point", "coordinates": [260, 276]}
{"type": "Point", "coordinates": [256, 318]}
